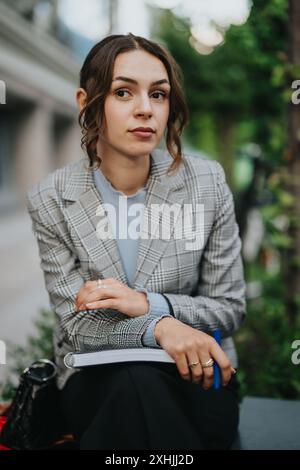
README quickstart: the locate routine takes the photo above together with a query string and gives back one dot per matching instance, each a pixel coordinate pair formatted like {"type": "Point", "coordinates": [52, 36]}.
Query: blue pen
{"type": "Point", "coordinates": [217, 375]}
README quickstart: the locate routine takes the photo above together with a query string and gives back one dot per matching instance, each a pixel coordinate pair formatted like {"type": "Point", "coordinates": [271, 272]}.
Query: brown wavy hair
{"type": "Point", "coordinates": [96, 76]}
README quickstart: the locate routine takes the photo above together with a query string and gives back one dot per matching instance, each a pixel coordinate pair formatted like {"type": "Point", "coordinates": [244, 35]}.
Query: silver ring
{"type": "Point", "coordinates": [193, 364]}
{"type": "Point", "coordinates": [99, 281]}
{"type": "Point", "coordinates": [208, 363]}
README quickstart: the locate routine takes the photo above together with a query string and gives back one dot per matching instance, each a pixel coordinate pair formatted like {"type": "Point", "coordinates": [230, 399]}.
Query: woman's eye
{"type": "Point", "coordinates": [157, 94]}
{"type": "Point", "coordinates": [160, 93]}
{"type": "Point", "coordinates": [121, 91]}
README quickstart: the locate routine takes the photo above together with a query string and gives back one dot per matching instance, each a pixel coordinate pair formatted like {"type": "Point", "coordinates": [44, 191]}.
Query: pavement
{"type": "Point", "coordinates": [22, 289]}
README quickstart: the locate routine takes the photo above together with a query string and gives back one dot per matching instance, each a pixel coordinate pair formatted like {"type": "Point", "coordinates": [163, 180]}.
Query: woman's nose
{"type": "Point", "coordinates": [144, 106]}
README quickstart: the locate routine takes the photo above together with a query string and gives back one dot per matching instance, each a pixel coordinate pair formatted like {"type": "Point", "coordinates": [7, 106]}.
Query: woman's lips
{"type": "Point", "coordinates": [142, 134]}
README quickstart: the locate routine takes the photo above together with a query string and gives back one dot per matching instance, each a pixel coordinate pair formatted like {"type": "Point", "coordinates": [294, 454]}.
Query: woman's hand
{"type": "Point", "coordinates": [187, 345]}
{"type": "Point", "coordinates": [111, 293]}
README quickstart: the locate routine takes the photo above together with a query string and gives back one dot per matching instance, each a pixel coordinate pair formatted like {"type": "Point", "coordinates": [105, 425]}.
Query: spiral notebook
{"type": "Point", "coordinates": [77, 359]}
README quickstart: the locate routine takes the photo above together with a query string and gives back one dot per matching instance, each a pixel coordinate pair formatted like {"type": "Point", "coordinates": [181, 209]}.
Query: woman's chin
{"type": "Point", "coordinates": [141, 149]}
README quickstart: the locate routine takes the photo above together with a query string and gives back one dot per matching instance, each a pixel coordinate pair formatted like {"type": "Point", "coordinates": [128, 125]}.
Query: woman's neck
{"type": "Point", "coordinates": [127, 176]}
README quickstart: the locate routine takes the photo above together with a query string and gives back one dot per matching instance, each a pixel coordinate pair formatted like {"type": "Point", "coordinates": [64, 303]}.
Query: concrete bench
{"type": "Point", "coordinates": [268, 424]}
{"type": "Point", "coordinates": [265, 424]}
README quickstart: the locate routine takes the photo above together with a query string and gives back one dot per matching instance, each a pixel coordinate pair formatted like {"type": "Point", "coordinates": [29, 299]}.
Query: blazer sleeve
{"type": "Point", "coordinates": [86, 330]}
{"type": "Point", "coordinates": [219, 300]}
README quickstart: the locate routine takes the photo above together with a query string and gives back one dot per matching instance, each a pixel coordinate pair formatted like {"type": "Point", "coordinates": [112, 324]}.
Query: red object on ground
{"type": "Point", "coordinates": [2, 424]}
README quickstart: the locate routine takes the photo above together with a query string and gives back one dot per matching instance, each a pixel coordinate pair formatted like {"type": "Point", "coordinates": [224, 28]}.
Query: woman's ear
{"type": "Point", "coordinates": [81, 98]}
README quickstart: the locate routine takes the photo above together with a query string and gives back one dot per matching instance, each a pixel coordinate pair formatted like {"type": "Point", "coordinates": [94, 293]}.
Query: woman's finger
{"type": "Point", "coordinates": [91, 286]}
{"type": "Point", "coordinates": [208, 371]}
{"type": "Point", "coordinates": [223, 362]}
{"type": "Point", "coordinates": [99, 294]}
{"type": "Point", "coordinates": [195, 367]}
{"type": "Point", "coordinates": [89, 291]}
{"type": "Point", "coordinates": [182, 366]}
{"type": "Point", "coordinates": [107, 303]}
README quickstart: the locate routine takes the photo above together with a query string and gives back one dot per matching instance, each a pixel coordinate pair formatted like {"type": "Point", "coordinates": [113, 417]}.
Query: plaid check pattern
{"type": "Point", "coordinates": [205, 287]}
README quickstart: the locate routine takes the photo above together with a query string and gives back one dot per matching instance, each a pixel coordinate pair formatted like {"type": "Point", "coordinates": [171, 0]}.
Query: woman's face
{"type": "Point", "coordinates": [135, 100]}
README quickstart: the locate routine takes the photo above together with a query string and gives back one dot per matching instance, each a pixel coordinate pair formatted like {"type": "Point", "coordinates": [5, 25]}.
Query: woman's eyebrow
{"type": "Point", "coordinates": [131, 80]}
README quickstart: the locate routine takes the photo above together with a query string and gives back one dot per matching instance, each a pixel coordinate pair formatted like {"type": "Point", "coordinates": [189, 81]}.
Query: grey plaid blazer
{"type": "Point", "coordinates": [205, 286]}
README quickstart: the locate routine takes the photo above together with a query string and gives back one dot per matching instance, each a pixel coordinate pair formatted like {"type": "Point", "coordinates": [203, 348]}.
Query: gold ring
{"type": "Point", "coordinates": [194, 364]}
{"type": "Point", "coordinates": [208, 363]}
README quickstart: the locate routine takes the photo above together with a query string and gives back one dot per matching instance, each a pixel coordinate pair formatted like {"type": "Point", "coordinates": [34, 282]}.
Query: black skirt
{"type": "Point", "coordinates": [147, 405]}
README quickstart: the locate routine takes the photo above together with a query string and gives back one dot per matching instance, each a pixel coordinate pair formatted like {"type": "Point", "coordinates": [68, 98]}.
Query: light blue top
{"type": "Point", "coordinates": [128, 243]}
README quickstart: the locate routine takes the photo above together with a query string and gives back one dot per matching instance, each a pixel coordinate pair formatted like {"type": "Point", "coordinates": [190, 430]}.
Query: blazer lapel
{"type": "Point", "coordinates": [86, 208]}
{"type": "Point", "coordinates": [86, 215]}
{"type": "Point", "coordinates": [162, 190]}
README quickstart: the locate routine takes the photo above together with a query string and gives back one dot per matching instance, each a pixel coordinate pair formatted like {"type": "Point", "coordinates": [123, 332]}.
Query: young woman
{"type": "Point", "coordinates": [138, 287]}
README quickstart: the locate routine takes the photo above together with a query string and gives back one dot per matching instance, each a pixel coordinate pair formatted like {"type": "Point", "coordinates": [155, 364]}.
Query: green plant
{"type": "Point", "coordinates": [37, 347]}
{"type": "Point", "coordinates": [264, 345]}
{"type": "Point", "coordinates": [265, 341]}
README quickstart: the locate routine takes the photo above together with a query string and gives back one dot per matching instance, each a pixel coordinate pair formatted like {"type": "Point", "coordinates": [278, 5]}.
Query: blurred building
{"type": "Point", "coordinates": [38, 122]}
{"type": "Point", "coordinates": [38, 133]}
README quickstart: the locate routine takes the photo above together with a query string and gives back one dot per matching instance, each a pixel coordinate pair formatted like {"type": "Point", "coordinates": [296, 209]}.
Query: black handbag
{"type": "Point", "coordinates": [34, 419]}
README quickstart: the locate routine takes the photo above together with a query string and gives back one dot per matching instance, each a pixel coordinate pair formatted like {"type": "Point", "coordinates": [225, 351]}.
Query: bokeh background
{"type": "Point", "coordinates": [239, 60]}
